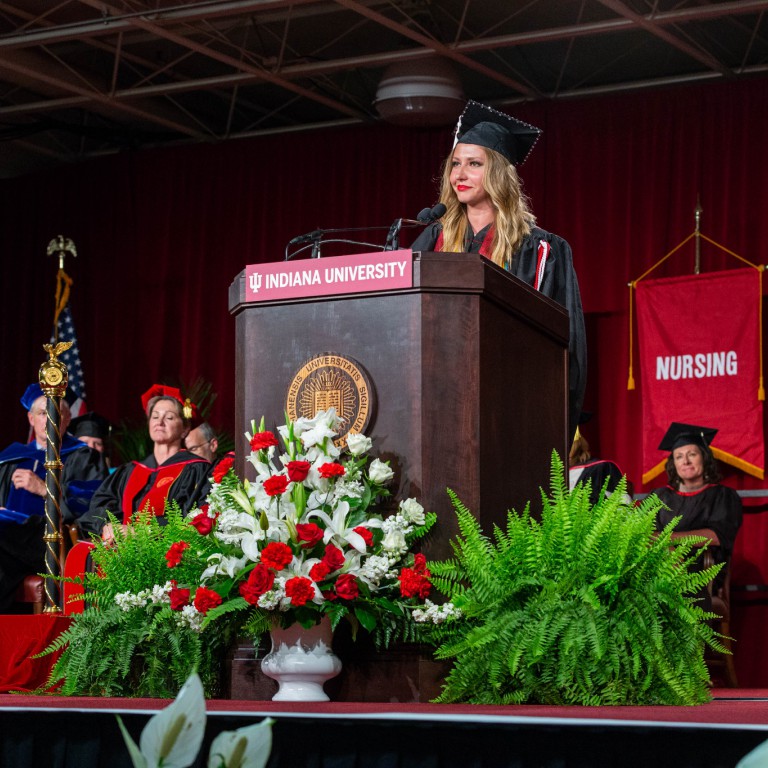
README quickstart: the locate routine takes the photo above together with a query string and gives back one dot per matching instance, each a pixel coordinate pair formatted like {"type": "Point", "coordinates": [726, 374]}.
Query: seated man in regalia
{"type": "Point", "coordinates": [23, 492]}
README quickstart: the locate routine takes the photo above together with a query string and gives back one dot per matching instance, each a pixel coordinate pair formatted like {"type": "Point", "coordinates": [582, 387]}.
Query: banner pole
{"type": "Point", "coordinates": [697, 231]}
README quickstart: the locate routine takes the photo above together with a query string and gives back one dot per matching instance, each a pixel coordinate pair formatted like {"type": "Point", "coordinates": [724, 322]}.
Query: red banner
{"type": "Point", "coordinates": [699, 347]}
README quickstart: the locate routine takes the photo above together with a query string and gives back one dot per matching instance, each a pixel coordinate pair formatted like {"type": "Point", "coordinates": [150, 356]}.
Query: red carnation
{"type": "Point", "coordinates": [365, 533]}
{"type": "Point", "coordinates": [346, 587]}
{"type": "Point", "coordinates": [276, 485]}
{"type": "Point", "coordinates": [179, 597]}
{"type": "Point", "coordinates": [331, 470]}
{"type": "Point", "coordinates": [173, 555]}
{"type": "Point", "coordinates": [319, 571]}
{"type": "Point", "coordinates": [262, 440]}
{"type": "Point", "coordinates": [260, 580]}
{"type": "Point", "coordinates": [297, 470]}
{"type": "Point", "coordinates": [300, 590]}
{"type": "Point", "coordinates": [420, 564]}
{"type": "Point", "coordinates": [276, 555]}
{"type": "Point", "coordinates": [308, 534]}
{"type": "Point", "coordinates": [205, 599]}
{"type": "Point", "coordinates": [414, 584]}
{"type": "Point", "coordinates": [222, 468]}
{"type": "Point", "coordinates": [333, 558]}
{"type": "Point", "coordinates": [203, 523]}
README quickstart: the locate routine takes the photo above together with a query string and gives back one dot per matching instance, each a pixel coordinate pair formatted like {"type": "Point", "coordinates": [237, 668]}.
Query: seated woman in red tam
{"type": "Point", "coordinates": [169, 473]}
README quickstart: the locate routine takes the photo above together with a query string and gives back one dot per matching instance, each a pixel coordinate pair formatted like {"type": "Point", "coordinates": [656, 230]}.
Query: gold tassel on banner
{"type": "Point", "coordinates": [631, 380]}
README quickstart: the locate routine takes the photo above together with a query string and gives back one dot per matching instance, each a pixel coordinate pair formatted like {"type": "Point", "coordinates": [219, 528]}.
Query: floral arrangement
{"type": "Point", "coordinates": [303, 540]}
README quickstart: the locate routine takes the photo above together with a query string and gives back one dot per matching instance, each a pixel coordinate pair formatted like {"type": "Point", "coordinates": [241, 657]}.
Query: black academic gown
{"type": "Point", "coordinates": [715, 506]}
{"type": "Point", "coordinates": [596, 471]}
{"type": "Point", "coordinates": [22, 522]}
{"type": "Point", "coordinates": [559, 283]}
{"type": "Point", "coordinates": [188, 487]}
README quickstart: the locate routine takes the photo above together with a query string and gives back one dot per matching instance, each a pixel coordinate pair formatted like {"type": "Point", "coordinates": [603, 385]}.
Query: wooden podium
{"type": "Point", "coordinates": [469, 381]}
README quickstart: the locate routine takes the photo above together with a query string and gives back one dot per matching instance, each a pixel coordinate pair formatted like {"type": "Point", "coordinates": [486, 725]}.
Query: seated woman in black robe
{"type": "Point", "coordinates": [694, 492]}
{"type": "Point", "coordinates": [488, 213]}
{"type": "Point", "coordinates": [169, 473]}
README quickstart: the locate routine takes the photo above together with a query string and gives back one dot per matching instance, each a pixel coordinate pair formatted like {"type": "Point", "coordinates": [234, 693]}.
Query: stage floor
{"type": "Point", "coordinates": [82, 732]}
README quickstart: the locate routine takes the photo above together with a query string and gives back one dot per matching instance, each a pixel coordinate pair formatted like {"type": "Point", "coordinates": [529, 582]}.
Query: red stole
{"type": "Point", "coordinates": [156, 496]}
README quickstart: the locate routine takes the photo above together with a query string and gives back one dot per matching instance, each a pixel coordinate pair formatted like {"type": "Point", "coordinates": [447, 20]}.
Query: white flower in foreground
{"type": "Point", "coordinates": [413, 512]}
{"type": "Point", "coordinates": [247, 747]}
{"type": "Point", "coordinates": [172, 737]}
{"type": "Point", "coordinates": [379, 472]}
{"type": "Point", "coordinates": [757, 758]}
{"type": "Point", "coordinates": [358, 444]}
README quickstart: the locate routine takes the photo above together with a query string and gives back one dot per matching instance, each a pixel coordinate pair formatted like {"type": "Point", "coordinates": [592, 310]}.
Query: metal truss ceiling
{"type": "Point", "coordinates": [84, 77]}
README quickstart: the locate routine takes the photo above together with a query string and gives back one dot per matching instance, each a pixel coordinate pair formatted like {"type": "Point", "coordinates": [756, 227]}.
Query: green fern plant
{"type": "Point", "coordinates": [146, 650]}
{"type": "Point", "coordinates": [588, 605]}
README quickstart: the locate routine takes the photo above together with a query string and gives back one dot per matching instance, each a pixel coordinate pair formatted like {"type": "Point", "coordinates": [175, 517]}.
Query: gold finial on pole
{"type": "Point", "coordinates": [61, 246]}
{"type": "Point", "coordinates": [697, 217]}
{"type": "Point", "coordinates": [53, 380]}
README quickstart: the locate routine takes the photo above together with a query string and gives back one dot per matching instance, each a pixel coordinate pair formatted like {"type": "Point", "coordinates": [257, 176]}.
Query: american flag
{"type": "Point", "coordinates": [71, 358]}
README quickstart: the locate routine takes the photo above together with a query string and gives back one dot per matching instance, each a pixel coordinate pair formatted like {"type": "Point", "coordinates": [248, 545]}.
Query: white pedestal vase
{"type": "Point", "coordinates": [301, 660]}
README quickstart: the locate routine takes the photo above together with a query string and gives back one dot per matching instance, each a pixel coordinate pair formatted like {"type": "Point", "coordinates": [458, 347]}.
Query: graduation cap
{"type": "Point", "coordinates": [487, 127]}
{"type": "Point", "coordinates": [90, 424]}
{"type": "Point", "coordinates": [686, 434]}
{"type": "Point", "coordinates": [31, 393]}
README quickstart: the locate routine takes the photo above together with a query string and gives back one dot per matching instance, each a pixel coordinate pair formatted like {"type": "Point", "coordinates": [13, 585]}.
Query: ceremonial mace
{"type": "Point", "coordinates": [53, 378]}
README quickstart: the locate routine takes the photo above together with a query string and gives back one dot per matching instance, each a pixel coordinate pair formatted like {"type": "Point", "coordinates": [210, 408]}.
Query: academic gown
{"type": "Point", "coordinates": [134, 486]}
{"type": "Point", "coordinates": [716, 507]}
{"type": "Point", "coordinates": [559, 283]}
{"type": "Point", "coordinates": [597, 471]}
{"type": "Point", "coordinates": [22, 522]}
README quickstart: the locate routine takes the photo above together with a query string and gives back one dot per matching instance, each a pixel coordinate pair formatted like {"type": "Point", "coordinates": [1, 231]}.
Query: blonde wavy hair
{"type": "Point", "coordinates": [513, 217]}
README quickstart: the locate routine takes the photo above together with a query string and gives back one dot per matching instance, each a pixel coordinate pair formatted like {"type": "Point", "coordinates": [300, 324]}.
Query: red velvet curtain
{"type": "Point", "coordinates": [162, 233]}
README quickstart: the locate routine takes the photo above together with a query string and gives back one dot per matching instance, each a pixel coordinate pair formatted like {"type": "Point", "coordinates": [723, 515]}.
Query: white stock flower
{"type": "Point", "coordinates": [413, 512]}
{"type": "Point", "coordinates": [436, 614]}
{"type": "Point", "coordinates": [190, 617]}
{"type": "Point", "coordinates": [358, 444]}
{"type": "Point", "coordinates": [374, 569]}
{"type": "Point", "coordinates": [379, 472]}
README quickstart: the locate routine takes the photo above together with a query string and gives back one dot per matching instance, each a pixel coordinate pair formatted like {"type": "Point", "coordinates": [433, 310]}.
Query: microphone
{"type": "Point", "coordinates": [306, 238]}
{"type": "Point", "coordinates": [393, 235]}
{"type": "Point", "coordinates": [428, 215]}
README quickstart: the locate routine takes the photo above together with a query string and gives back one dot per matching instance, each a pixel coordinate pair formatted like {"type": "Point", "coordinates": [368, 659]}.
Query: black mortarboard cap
{"type": "Point", "coordinates": [487, 127]}
{"type": "Point", "coordinates": [686, 434]}
{"type": "Point", "coordinates": [90, 425]}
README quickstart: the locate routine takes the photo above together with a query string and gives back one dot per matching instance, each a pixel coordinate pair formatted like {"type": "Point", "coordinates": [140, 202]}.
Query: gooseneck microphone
{"type": "Point", "coordinates": [428, 215]}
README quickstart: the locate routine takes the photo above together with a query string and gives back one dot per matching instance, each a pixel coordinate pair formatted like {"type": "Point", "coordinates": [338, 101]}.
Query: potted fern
{"type": "Point", "coordinates": [134, 638]}
{"type": "Point", "coordinates": [588, 605]}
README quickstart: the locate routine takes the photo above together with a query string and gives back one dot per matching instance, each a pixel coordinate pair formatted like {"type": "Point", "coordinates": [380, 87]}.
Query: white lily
{"type": "Point", "coordinates": [247, 747]}
{"type": "Point", "coordinates": [336, 527]}
{"type": "Point", "coordinates": [220, 564]}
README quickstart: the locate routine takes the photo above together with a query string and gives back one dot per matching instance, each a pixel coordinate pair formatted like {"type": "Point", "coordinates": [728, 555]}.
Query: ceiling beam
{"type": "Point", "coordinates": [649, 25]}
{"type": "Point", "coordinates": [237, 65]}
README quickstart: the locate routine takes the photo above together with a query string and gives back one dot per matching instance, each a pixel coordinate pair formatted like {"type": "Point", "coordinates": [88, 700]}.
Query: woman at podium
{"type": "Point", "coordinates": [488, 213]}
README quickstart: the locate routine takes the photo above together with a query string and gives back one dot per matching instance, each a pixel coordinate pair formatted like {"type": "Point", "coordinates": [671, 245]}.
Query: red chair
{"type": "Point", "coordinates": [31, 591]}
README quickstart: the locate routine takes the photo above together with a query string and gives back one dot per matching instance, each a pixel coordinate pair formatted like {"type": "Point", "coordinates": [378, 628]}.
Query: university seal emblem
{"type": "Point", "coordinates": [332, 380]}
